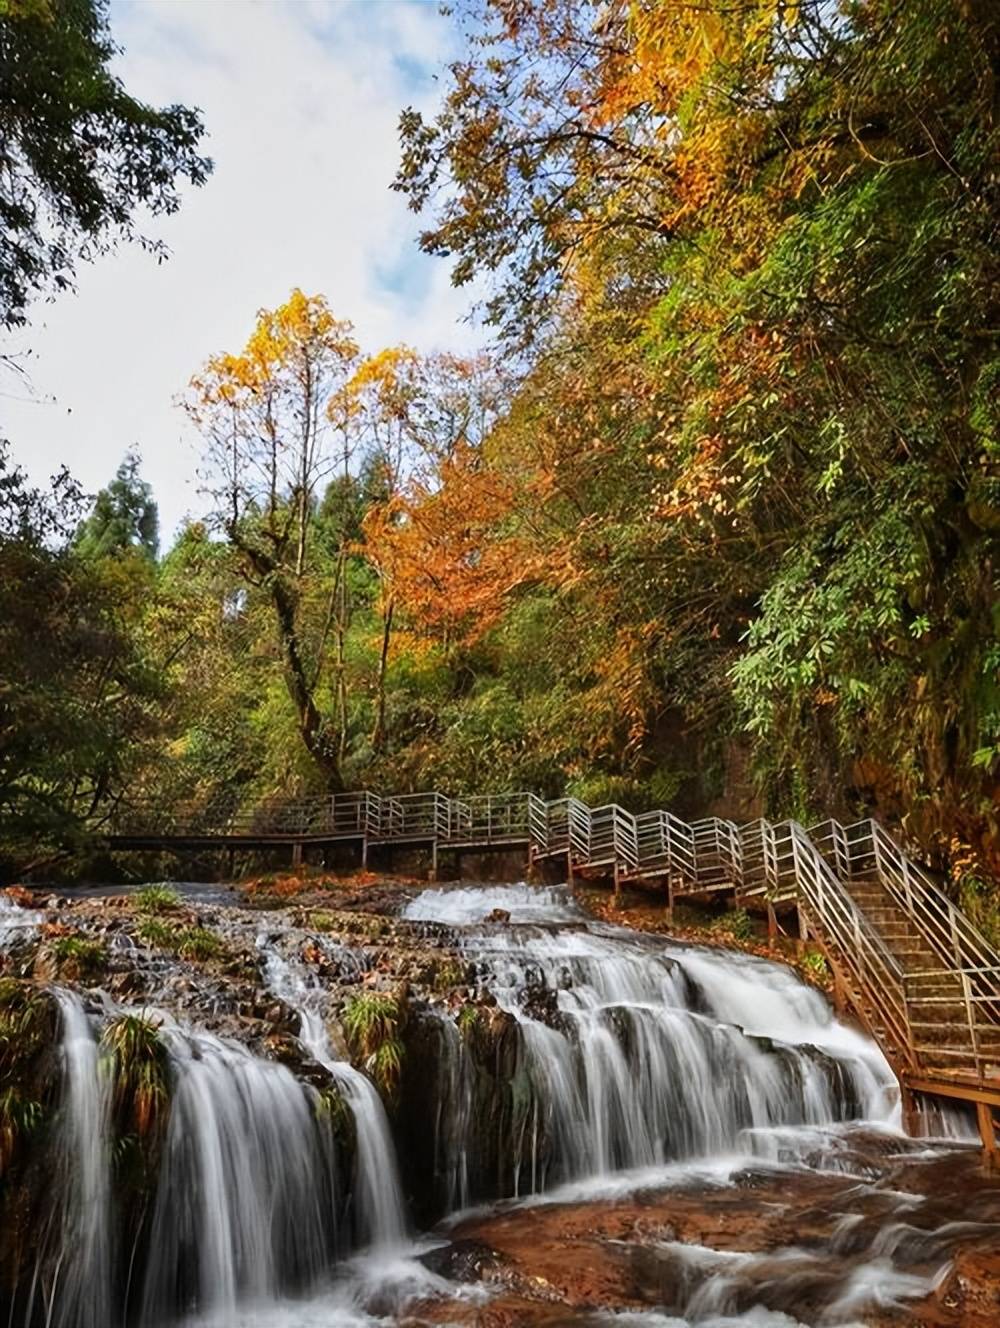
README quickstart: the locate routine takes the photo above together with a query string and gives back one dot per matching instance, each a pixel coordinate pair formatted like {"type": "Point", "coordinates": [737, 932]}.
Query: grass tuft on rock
{"type": "Point", "coordinates": [140, 1072]}
{"type": "Point", "coordinates": [80, 956]}
{"type": "Point", "coordinates": [20, 1117]}
{"type": "Point", "coordinates": [156, 899]}
{"type": "Point", "coordinates": [196, 942]}
{"type": "Point", "coordinates": [372, 1021]}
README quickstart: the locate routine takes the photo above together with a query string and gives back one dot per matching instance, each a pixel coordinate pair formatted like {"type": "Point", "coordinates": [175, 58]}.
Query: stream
{"type": "Point", "coordinates": [690, 1137]}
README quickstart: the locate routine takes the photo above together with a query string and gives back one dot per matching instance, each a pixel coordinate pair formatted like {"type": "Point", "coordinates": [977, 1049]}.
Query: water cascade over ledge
{"type": "Point", "coordinates": [636, 1054]}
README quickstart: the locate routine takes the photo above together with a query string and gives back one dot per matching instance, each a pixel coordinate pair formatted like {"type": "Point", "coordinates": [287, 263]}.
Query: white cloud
{"type": "Point", "coordinates": [301, 99]}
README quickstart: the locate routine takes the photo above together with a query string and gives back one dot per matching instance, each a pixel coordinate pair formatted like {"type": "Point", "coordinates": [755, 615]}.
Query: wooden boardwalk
{"type": "Point", "coordinates": [905, 960]}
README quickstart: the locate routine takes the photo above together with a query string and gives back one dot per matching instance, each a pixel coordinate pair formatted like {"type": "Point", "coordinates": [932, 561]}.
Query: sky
{"type": "Point", "coordinates": [300, 100]}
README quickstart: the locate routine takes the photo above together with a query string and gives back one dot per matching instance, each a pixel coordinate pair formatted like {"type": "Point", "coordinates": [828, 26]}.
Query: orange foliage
{"type": "Point", "coordinates": [442, 550]}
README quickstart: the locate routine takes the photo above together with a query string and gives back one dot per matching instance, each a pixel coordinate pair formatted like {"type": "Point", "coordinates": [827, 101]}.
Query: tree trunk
{"type": "Point", "coordinates": [379, 734]}
{"type": "Point", "coordinates": [311, 727]}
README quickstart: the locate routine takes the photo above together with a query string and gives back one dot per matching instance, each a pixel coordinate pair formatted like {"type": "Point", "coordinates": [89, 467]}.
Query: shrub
{"type": "Point", "coordinates": [736, 923]}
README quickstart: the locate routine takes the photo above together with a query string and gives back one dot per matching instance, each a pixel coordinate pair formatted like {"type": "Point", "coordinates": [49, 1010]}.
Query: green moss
{"type": "Point", "coordinates": [322, 922]}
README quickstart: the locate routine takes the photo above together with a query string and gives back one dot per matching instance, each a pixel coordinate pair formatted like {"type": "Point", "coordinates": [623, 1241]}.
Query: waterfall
{"type": "Point", "coordinates": [16, 923]}
{"type": "Point", "coordinates": [377, 1194]}
{"type": "Point", "coordinates": [246, 1197]}
{"type": "Point", "coordinates": [453, 1119]}
{"type": "Point", "coordinates": [641, 1052]}
{"type": "Point", "coordinates": [81, 1290]}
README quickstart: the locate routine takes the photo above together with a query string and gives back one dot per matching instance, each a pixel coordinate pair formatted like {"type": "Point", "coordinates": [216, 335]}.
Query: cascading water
{"type": "Point", "coordinates": [16, 923]}
{"type": "Point", "coordinates": [619, 1062]}
{"type": "Point", "coordinates": [80, 1294]}
{"type": "Point", "coordinates": [640, 1053]}
{"type": "Point", "coordinates": [377, 1196]}
{"type": "Point", "coordinates": [245, 1206]}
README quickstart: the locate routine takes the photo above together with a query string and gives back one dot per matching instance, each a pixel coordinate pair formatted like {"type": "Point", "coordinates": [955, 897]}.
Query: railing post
{"type": "Point", "coordinates": [970, 1015]}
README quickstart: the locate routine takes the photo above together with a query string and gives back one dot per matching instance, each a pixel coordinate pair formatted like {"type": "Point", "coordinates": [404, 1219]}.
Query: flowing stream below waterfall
{"type": "Point", "coordinates": [583, 1125]}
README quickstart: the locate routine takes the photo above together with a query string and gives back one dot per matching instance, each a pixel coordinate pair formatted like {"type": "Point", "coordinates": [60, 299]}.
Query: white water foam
{"type": "Point", "coordinates": [377, 1189]}
{"type": "Point", "coordinates": [641, 1053]}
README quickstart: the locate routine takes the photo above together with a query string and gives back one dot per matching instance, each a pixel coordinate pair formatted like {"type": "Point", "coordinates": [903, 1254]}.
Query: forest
{"type": "Point", "coordinates": [709, 522]}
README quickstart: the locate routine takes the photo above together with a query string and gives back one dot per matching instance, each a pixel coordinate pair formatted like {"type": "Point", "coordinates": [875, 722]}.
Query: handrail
{"type": "Point", "coordinates": [819, 869]}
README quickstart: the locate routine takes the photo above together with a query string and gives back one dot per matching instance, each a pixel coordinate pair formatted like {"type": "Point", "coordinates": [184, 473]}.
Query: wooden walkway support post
{"type": "Point", "coordinates": [988, 1135]}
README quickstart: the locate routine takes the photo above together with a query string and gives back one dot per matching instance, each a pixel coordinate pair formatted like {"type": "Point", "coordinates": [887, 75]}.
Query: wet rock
{"type": "Point", "coordinates": [463, 1260]}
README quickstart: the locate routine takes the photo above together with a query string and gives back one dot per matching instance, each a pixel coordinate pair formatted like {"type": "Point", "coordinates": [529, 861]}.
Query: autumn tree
{"type": "Point", "coordinates": [263, 414]}
{"type": "Point", "coordinates": [781, 221]}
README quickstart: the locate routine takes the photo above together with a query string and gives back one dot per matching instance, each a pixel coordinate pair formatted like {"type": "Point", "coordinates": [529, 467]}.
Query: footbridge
{"type": "Point", "coordinates": [906, 962]}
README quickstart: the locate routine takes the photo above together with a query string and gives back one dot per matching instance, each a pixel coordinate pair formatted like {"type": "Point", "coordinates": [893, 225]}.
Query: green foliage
{"type": "Point", "coordinates": [80, 956]}
{"type": "Point", "coordinates": [124, 516]}
{"type": "Point", "coordinates": [449, 973]}
{"type": "Point", "coordinates": [26, 1033]}
{"type": "Point", "coordinates": [78, 686]}
{"type": "Point", "coordinates": [79, 156]}
{"type": "Point", "coordinates": [331, 1109]}
{"type": "Point", "coordinates": [196, 943]}
{"type": "Point", "coordinates": [372, 1021]}
{"type": "Point", "coordinates": [199, 943]}
{"type": "Point", "coordinates": [139, 1070]}
{"type": "Point", "coordinates": [320, 921]}
{"type": "Point", "coordinates": [978, 898]}
{"type": "Point", "coordinates": [19, 1118]}
{"type": "Point", "coordinates": [813, 963]}
{"type": "Point", "coordinates": [157, 933]}
{"type": "Point", "coordinates": [156, 899]}
{"type": "Point", "coordinates": [737, 923]}
{"type": "Point", "coordinates": [23, 1023]}
{"type": "Point", "coordinates": [468, 1019]}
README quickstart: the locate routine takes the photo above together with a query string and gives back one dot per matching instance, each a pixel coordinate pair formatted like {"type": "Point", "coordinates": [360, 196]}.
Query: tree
{"type": "Point", "coordinates": [124, 516]}
{"type": "Point", "coordinates": [269, 444]}
{"type": "Point", "coordinates": [79, 693]}
{"type": "Point", "coordinates": [78, 154]}
{"type": "Point", "coordinates": [780, 223]}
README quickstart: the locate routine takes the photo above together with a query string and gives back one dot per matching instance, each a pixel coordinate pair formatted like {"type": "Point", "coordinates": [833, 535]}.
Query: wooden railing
{"type": "Point", "coordinates": [774, 862]}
